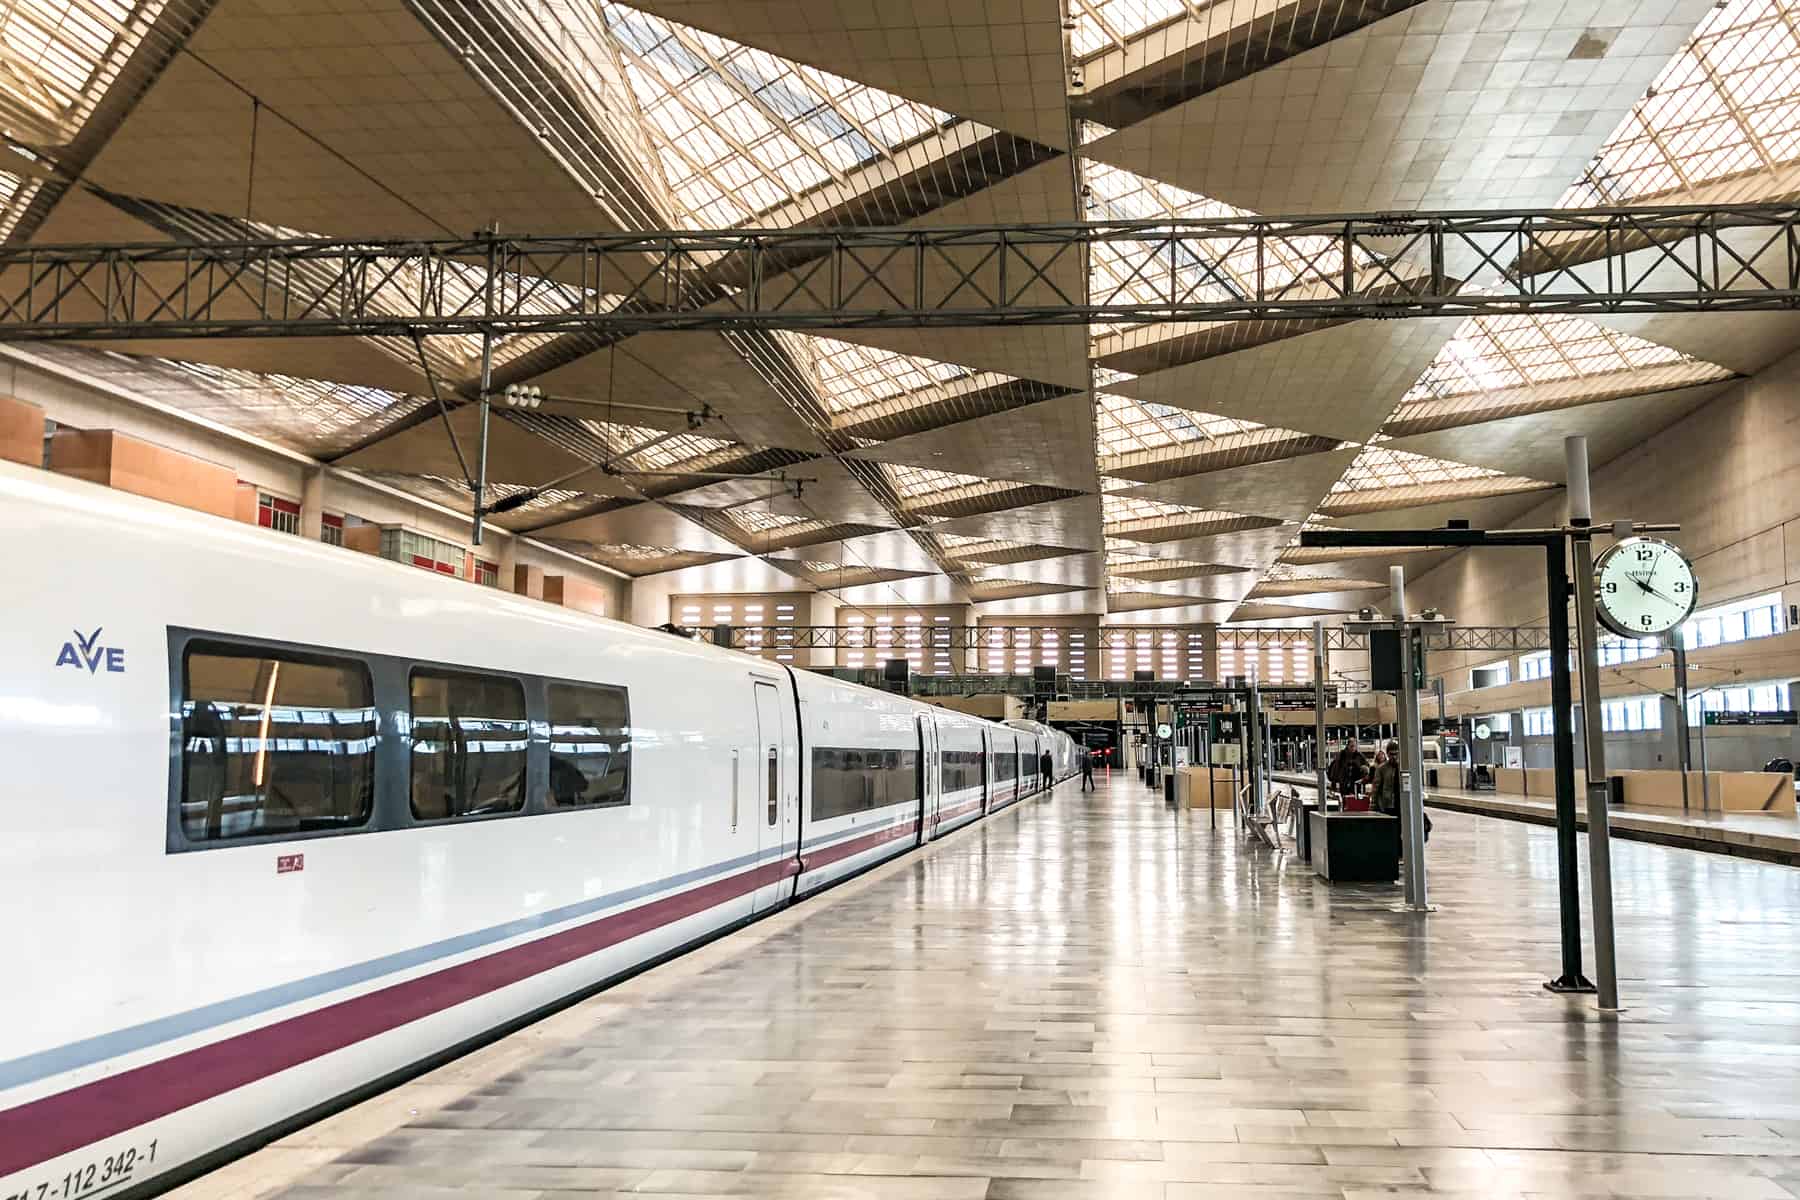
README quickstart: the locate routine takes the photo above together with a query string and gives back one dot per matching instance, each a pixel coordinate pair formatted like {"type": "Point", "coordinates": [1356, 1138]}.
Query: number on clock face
{"type": "Point", "coordinates": [1644, 586]}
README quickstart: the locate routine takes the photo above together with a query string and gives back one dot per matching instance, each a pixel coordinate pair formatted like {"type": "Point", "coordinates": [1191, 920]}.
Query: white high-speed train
{"type": "Point", "coordinates": [283, 823]}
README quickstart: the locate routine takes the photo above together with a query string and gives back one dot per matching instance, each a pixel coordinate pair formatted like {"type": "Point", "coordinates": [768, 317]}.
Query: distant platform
{"type": "Point", "coordinates": [1766, 837]}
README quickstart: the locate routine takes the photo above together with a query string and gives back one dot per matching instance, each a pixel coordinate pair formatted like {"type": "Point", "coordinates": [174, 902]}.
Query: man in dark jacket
{"type": "Point", "coordinates": [1087, 769]}
{"type": "Point", "coordinates": [1046, 768]}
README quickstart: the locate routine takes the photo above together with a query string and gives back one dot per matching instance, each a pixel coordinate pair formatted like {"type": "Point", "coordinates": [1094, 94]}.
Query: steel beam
{"type": "Point", "coordinates": [1721, 258]}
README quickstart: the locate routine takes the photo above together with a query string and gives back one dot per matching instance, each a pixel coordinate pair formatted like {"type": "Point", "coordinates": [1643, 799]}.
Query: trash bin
{"type": "Point", "coordinates": [1615, 789]}
{"type": "Point", "coordinates": [1169, 788]}
{"type": "Point", "coordinates": [1431, 777]}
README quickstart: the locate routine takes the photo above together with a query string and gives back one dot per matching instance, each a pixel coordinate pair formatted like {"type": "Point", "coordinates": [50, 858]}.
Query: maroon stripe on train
{"type": "Point", "coordinates": [43, 1129]}
{"type": "Point", "coordinates": [840, 850]}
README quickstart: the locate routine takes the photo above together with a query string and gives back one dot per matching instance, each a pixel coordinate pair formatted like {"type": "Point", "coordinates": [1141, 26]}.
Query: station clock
{"type": "Point", "coordinates": [1644, 587]}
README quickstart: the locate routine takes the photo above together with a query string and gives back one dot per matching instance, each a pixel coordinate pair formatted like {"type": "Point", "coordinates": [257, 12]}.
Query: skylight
{"type": "Point", "coordinates": [60, 55]}
{"type": "Point", "coordinates": [1378, 469]}
{"type": "Point", "coordinates": [761, 520]}
{"type": "Point", "coordinates": [1723, 107]}
{"type": "Point", "coordinates": [1112, 24]}
{"type": "Point", "coordinates": [854, 379]}
{"type": "Point", "coordinates": [738, 131]}
{"type": "Point", "coordinates": [634, 447]}
{"type": "Point", "coordinates": [1123, 425]}
{"type": "Point", "coordinates": [58, 58]}
{"type": "Point", "coordinates": [1490, 353]}
{"type": "Point", "coordinates": [921, 484]}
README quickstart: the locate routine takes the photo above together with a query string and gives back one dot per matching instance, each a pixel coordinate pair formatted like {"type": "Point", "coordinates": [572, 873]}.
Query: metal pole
{"type": "Point", "coordinates": [1318, 734]}
{"type": "Point", "coordinates": [1599, 845]}
{"type": "Point", "coordinates": [1412, 755]}
{"type": "Point", "coordinates": [487, 380]}
{"type": "Point", "coordinates": [1254, 751]}
{"type": "Point", "coordinates": [1705, 784]}
{"type": "Point", "coordinates": [1684, 735]}
{"type": "Point", "coordinates": [1562, 718]}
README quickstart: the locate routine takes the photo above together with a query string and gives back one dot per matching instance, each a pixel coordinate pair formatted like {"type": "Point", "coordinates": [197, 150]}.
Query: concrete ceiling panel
{"type": "Point", "coordinates": [999, 64]}
{"type": "Point", "coordinates": [1050, 443]}
{"type": "Point", "coordinates": [1451, 104]}
{"type": "Point", "coordinates": [1340, 382]}
{"type": "Point", "coordinates": [1289, 488]}
{"type": "Point", "coordinates": [1074, 522]}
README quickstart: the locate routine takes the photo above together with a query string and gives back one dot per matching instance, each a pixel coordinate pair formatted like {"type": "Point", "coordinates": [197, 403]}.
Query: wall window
{"type": "Point", "coordinates": [853, 781]}
{"type": "Point", "coordinates": [1535, 666]}
{"type": "Point", "coordinates": [427, 553]}
{"type": "Point", "coordinates": [274, 743]}
{"type": "Point", "coordinates": [272, 512]}
{"type": "Point", "coordinates": [1621, 650]}
{"type": "Point", "coordinates": [468, 745]}
{"type": "Point", "coordinates": [331, 529]}
{"type": "Point", "coordinates": [1631, 714]}
{"type": "Point", "coordinates": [1738, 621]}
{"type": "Point", "coordinates": [1492, 675]}
{"type": "Point", "coordinates": [487, 574]}
{"type": "Point", "coordinates": [1754, 697]}
{"type": "Point", "coordinates": [590, 746]}
{"type": "Point", "coordinates": [1538, 722]}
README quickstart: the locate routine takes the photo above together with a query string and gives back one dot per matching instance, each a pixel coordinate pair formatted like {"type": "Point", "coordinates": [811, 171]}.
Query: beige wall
{"type": "Point", "coordinates": [1728, 473]}
{"type": "Point", "coordinates": [94, 405]}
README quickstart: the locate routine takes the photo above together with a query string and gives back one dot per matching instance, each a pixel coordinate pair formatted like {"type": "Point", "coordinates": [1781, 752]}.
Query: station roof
{"type": "Point", "coordinates": [1164, 468]}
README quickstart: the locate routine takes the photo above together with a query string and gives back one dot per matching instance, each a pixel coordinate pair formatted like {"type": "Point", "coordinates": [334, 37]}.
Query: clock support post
{"type": "Point", "coordinates": [1581, 521]}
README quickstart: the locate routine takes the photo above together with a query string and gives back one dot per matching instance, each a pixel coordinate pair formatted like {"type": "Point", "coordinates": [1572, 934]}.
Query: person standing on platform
{"type": "Point", "coordinates": [1348, 770]}
{"type": "Point", "coordinates": [1087, 769]}
{"type": "Point", "coordinates": [1387, 780]}
{"type": "Point", "coordinates": [1046, 768]}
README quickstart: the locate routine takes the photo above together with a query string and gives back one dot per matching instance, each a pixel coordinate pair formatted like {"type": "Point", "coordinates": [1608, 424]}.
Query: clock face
{"type": "Point", "coordinates": [1644, 587]}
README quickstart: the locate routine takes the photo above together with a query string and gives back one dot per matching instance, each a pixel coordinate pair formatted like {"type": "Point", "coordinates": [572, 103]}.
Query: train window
{"type": "Point", "coordinates": [590, 746]}
{"type": "Point", "coordinates": [274, 742]}
{"type": "Point", "coordinates": [853, 781]}
{"type": "Point", "coordinates": [468, 745]}
{"type": "Point", "coordinates": [961, 769]}
{"type": "Point", "coordinates": [1005, 765]}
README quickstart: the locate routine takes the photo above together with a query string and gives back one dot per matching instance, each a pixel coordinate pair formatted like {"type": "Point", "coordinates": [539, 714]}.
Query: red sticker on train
{"type": "Point", "coordinates": [285, 863]}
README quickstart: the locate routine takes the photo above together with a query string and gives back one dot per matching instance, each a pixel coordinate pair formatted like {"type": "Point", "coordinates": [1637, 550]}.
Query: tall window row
{"type": "Point", "coordinates": [284, 742]}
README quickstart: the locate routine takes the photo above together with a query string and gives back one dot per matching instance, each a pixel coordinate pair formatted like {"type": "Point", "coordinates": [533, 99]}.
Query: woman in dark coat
{"type": "Point", "coordinates": [1348, 769]}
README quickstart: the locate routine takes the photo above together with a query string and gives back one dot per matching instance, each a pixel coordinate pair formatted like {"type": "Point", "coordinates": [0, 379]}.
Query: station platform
{"type": "Point", "coordinates": [1769, 837]}
{"type": "Point", "coordinates": [1096, 996]}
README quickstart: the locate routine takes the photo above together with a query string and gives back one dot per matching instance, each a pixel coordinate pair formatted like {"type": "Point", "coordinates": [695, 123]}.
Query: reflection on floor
{"type": "Point", "coordinates": [1097, 996]}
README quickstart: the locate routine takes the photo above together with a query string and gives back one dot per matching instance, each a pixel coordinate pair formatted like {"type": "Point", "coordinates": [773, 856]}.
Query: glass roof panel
{"type": "Point", "coordinates": [1116, 509]}
{"type": "Point", "coordinates": [58, 58]}
{"type": "Point", "coordinates": [853, 378]}
{"type": "Point", "coordinates": [1112, 24]}
{"type": "Point", "coordinates": [920, 483]}
{"type": "Point", "coordinates": [1123, 425]}
{"type": "Point", "coordinates": [740, 131]}
{"type": "Point", "coordinates": [61, 54]}
{"type": "Point", "coordinates": [1724, 106]}
{"type": "Point", "coordinates": [1492, 353]}
{"type": "Point", "coordinates": [659, 451]}
{"type": "Point", "coordinates": [1378, 468]}
{"type": "Point", "coordinates": [761, 520]}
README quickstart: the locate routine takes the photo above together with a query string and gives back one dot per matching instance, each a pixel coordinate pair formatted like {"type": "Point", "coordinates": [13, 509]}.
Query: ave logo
{"type": "Point", "coordinates": [86, 653]}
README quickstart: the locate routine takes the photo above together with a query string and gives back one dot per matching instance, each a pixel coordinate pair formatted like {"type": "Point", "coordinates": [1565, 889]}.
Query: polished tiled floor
{"type": "Point", "coordinates": [1095, 996]}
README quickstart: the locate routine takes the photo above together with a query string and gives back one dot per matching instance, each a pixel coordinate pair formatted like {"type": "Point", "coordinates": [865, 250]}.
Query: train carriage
{"type": "Point", "coordinates": [293, 822]}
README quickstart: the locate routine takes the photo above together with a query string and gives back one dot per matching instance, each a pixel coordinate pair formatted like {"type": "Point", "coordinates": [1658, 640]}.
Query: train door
{"type": "Point", "coordinates": [987, 770]}
{"type": "Point", "coordinates": [777, 789]}
{"type": "Point", "coordinates": [929, 795]}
